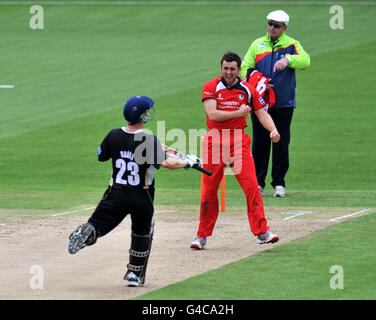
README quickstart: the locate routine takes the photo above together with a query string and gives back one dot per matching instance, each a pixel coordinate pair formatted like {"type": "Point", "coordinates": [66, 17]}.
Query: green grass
{"type": "Point", "coordinates": [298, 270]}
{"type": "Point", "coordinates": [72, 78]}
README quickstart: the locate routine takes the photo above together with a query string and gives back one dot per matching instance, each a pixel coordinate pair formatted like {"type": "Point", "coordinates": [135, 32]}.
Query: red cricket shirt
{"type": "Point", "coordinates": [230, 99]}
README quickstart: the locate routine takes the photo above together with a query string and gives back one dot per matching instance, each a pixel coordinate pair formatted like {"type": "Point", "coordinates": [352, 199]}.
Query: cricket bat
{"type": "Point", "coordinates": [179, 155]}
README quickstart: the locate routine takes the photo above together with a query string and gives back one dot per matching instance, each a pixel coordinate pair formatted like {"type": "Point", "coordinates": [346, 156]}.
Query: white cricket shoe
{"type": "Point", "coordinates": [198, 243]}
{"type": "Point", "coordinates": [267, 237]}
{"type": "Point", "coordinates": [279, 191]}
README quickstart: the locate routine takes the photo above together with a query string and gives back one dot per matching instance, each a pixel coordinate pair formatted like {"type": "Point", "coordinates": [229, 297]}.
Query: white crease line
{"type": "Point", "coordinates": [350, 215]}
{"type": "Point", "coordinates": [62, 213]}
{"type": "Point", "coordinates": [68, 212]}
{"type": "Point", "coordinates": [52, 215]}
{"type": "Point", "coordinates": [6, 86]}
{"type": "Point", "coordinates": [297, 214]}
{"type": "Point", "coordinates": [78, 210]}
{"type": "Point", "coordinates": [163, 211]}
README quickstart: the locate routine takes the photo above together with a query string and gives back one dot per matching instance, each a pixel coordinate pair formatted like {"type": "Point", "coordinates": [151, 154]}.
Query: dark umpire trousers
{"type": "Point", "coordinates": [280, 151]}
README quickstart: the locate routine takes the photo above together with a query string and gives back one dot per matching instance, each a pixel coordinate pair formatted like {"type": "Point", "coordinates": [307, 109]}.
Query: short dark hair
{"type": "Point", "coordinates": [231, 56]}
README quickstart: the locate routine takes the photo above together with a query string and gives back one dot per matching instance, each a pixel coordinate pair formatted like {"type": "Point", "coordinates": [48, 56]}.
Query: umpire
{"type": "Point", "coordinates": [277, 56]}
{"type": "Point", "coordinates": [134, 155]}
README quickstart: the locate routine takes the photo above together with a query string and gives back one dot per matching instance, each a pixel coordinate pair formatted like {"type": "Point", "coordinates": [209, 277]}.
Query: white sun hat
{"type": "Point", "coordinates": [279, 16]}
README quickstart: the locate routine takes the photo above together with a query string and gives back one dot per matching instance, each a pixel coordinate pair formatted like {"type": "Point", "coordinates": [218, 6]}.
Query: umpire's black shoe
{"type": "Point", "coordinates": [78, 238]}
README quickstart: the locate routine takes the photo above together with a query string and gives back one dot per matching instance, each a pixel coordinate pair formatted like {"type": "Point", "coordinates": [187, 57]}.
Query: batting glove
{"type": "Point", "coordinates": [191, 160]}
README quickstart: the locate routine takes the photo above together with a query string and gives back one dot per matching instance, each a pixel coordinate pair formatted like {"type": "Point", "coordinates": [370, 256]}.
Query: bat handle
{"type": "Point", "coordinates": [207, 172]}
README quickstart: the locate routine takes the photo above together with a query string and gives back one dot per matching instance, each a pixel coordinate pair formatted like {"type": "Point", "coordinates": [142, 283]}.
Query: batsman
{"type": "Point", "coordinates": [135, 155]}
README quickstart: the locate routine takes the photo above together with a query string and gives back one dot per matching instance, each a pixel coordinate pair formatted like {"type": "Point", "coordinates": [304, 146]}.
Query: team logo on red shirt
{"type": "Point", "coordinates": [241, 97]}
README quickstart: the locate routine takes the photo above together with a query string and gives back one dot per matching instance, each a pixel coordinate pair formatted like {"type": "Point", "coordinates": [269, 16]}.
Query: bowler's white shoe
{"type": "Point", "coordinates": [279, 191]}
{"type": "Point", "coordinates": [198, 243]}
{"type": "Point", "coordinates": [267, 237]}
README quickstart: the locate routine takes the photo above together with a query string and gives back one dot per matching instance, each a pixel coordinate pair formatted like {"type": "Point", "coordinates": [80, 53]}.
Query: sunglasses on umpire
{"type": "Point", "coordinates": [275, 25]}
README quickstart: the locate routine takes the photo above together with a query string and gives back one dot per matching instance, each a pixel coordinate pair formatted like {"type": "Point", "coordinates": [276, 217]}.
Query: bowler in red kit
{"type": "Point", "coordinates": [228, 101]}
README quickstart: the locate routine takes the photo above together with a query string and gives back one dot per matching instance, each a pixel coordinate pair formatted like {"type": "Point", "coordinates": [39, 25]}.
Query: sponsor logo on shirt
{"type": "Point", "coordinates": [228, 105]}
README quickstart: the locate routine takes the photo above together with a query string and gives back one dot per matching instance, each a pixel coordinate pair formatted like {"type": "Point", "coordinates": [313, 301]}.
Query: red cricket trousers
{"type": "Point", "coordinates": [222, 147]}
